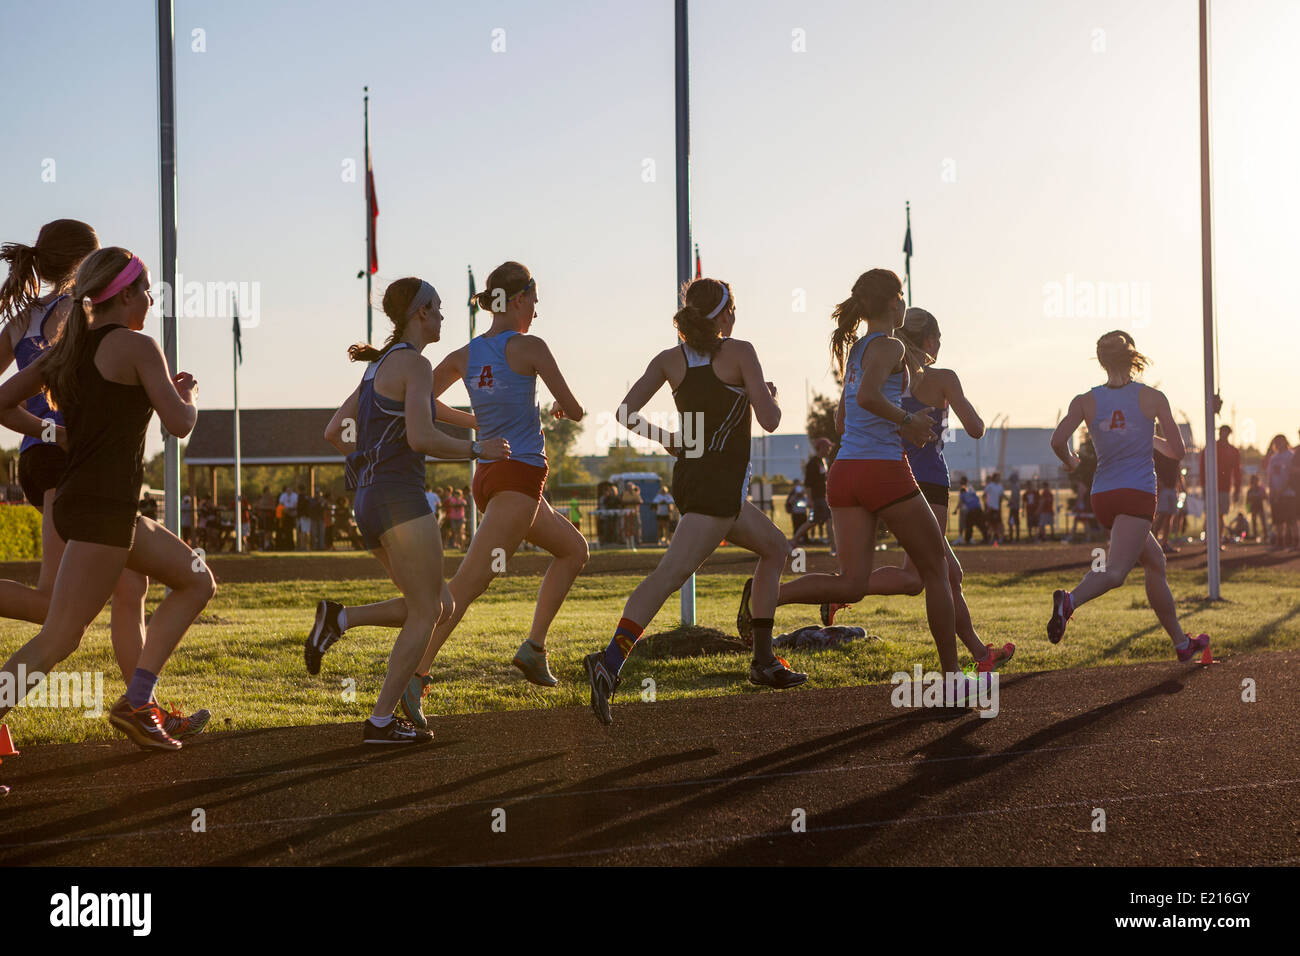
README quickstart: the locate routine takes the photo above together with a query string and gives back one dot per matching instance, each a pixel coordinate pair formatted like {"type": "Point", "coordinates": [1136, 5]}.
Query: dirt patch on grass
{"type": "Point", "coordinates": [690, 642]}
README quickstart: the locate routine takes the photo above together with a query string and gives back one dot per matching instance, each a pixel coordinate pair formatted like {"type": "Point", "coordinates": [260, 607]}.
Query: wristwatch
{"type": "Point", "coordinates": [907, 418]}
{"type": "Point", "coordinates": [475, 449]}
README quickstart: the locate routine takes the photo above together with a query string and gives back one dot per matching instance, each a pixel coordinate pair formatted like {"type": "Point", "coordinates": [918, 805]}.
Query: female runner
{"type": "Point", "coordinates": [1121, 414]}
{"type": "Point", "coordinates": [393, 413]}
{"type": "Point", "coordinates": [716, 381]}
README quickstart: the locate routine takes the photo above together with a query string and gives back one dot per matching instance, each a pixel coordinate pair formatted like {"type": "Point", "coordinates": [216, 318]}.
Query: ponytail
{"type": "Point", "coordinates": [847, 315]}
{"type": "Point", "coordinates": [871, 296]}
{"type": "Point", "coordinates": [1117, 352]}
{"type": "Point", "coordinates": [397, 302]}
{"type": "Point", "coordinates": [60, 247]}
{"type": "Point", "coordinates": [22, 285]}
{"type": "Point", "coordinates": [703, 302]}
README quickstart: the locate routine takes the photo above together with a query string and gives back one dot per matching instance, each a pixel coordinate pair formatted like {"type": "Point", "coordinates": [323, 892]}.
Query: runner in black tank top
{"type": "Point", "coordinates": [709, 480]}
{"type": "Point", "coordinates": [715, 482]}
{"type": "Point", "coordinates": [99, 495]}
{"type": "Point", "coordinates": [107, 379]}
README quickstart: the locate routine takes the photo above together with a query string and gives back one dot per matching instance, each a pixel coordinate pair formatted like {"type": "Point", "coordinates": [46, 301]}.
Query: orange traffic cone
{"type": "Point", "coordinates": [1206, 656]}
{"type": "Point", "coordinates": [6, 743]}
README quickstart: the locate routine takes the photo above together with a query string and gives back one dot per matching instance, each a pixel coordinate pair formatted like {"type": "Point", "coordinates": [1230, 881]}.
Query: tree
{"type": "Point", "coordinates": [560, 435]}
{"type": "Point", "coordinates": [821, 417]}
{"type": "Point", "coordinates": [623, 458]}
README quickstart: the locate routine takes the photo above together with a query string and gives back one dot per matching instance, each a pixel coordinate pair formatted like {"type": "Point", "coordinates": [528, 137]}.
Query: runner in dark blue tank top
{"type": "Point", "coordinates": [386, 428]}
{"type": "Point", "coordinates": [1121, 416]}
{"type": "Point", "coordinates": [499, 370]}
{"type": "Point", "coordinates": [938, 389]}
{"type": "Point", "coordinates": [716, 381]}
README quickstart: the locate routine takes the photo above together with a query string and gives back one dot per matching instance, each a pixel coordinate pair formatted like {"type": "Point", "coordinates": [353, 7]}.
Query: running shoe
{"type": "Point", "coordinates": [1062, 609]}
{"type": "Point", "coordinates": [177, 725]}
{"type": "Point", "coordinates": [829, 611]}
{"type": "Point", "coordinates": [4, 791]}
{"type": "Point", "coordinates": [744, 619]}
{"type": "Point", "coordinates": [413, 699]}
{"type": "Point", "coordinates": [143, 725]}
{"type": "Point", "coordinates": [964, 691]}
{"type": "Point", "coordinates": [323, 633]}
{"type": "Point", "coordinates": [997, 656]}
{"type": "Point", "coordinates": [398, 731]}
{"type": "Point", "coordinates": [532, 662]}
{"type": "Point", "coordinates": [602, 687]}
{"type": "Point", "coordinates": [776, 674]}
{"type": "Point", "coordinates": [1195, 646]}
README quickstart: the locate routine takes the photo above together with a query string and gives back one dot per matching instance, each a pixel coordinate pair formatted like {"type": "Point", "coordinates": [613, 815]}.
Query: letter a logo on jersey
{"type": "Point", "coordinates": [1117, 420]}
{"type": "Point", "coordinates": [485, 377]}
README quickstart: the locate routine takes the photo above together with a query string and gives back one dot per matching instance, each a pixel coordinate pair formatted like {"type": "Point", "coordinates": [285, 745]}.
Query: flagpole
{"type": "Point", "coordinates": [235, 350]}
{"type": "Point", "coordinates": [370, 223]}
{"type": "Point", "coordinates": [683, 210]}
{"type": "Point", "coordinates": [473, 432]}
{"type": "Point", "coordinates": [167, 237]}
{"type": "Point", "coordinates": [1210, 479]}
{"type": "Point", "coordinates": [909, 254]}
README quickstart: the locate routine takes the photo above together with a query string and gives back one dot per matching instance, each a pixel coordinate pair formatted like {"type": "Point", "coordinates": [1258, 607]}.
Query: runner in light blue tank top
{"type": "Point", "coordinates": [512, 493]}
{"type": "Point", "coordinates": [868, 436]}
{"type": "Point", "coordinates": [1121, 416]}
{"type": "Point", "coordinates": [1123, 437]}
{"type": "Point", "coordinates": [505, 402]}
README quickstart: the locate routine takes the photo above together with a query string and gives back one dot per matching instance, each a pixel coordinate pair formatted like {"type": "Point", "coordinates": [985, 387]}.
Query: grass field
{"type": "Point", "coordinates": [243, 659]}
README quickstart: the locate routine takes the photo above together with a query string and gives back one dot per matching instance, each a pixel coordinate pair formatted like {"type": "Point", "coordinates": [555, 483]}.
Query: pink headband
{"type": "Point", "coordinates": [124, 278]}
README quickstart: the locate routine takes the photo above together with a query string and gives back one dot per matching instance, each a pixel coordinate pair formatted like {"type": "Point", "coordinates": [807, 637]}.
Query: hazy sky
{"type": "Point", "coordinates": [1046, 148]}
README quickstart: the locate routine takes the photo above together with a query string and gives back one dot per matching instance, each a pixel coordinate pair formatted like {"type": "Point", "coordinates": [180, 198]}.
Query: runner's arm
{"type": "Point", "coordinates": [766, 409]}
{"type": "Point", "coordinates": [629, 410]}
{"type": "Point", "coordinates": [172, 396]}
{"type": "Point", "coordinates": [545, 366]}
{"type": "Point", "coordinates": [1065, 430]}
{"type": "Point", "coordinates": [347, 413]}
{"type": "Point", "coordinates": [962, 407]}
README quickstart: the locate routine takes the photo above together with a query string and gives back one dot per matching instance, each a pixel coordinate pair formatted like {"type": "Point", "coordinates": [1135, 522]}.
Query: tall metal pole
{"type": "Point", "coordinates": [239, 478]}
{"type": "Point", "coordinates": [473, 432]}
{"type": "Point", "coordinates": [683, 211]}
{"type": "Point", "coordinates": [1211, 476]}
{"type": "Point", "coordinates": [370, 226]}
{"type": "Point", "coordinates": [167, 241]}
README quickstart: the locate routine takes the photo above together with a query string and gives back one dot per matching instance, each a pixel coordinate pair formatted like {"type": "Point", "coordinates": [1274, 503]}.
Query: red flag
{"type": "Point", "coordinates": [698, 274]}
{"type": "Point", "coordinates": [372, 212]}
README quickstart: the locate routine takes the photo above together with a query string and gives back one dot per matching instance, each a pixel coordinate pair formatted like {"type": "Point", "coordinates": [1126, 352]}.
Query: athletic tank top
{"type": "Point", "coordinates": [106, 430]}
{"type": "Point", "coordinates": [868, 436]}
{"type": "Point", "coordinates": [504, 402]}
{"type": "Point", "coordinates": [383, 455]}
{"type": "Point", "coordinates": [716, 416]}
{"type": "Point", "coordinates": [927, 463]}
{"type": "Point", "coordinates": [1122, 436]}
{"type": "Point", "coordinates": [27, 350]}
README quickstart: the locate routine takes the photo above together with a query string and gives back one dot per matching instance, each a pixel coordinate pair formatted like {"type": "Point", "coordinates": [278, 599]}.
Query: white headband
{"type": "Point", "coordinates": [721, 305]}
{"type": "Point", "coordinates": [422, 298]}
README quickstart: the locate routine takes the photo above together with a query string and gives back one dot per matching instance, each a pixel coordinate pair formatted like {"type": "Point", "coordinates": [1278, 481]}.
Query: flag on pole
{"type": "Point", "coordinates": [372, 213]}
{"type": "Point", "coordinates": [239, 344]}
{"type": "Point", "coordinates": [907, 253]}
{"type": "Point", "coordinates": [907, 242]}
{"type": "Point", "coordinates": [698, 273]}
{"type": "Point", "coordinates": [473, 300]}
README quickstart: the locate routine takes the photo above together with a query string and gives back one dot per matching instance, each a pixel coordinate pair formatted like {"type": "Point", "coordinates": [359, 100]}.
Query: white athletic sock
{"type": "Point", "coordinates": [343, 620]}
{"type": "Point", "coordinates": [381, 721]}
{"type": "Point", "coordinates": [1186, 640]}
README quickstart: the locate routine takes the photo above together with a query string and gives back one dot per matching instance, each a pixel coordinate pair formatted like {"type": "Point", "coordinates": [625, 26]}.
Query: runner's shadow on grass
{"type": "Point", "coordinates": [878, 818]}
